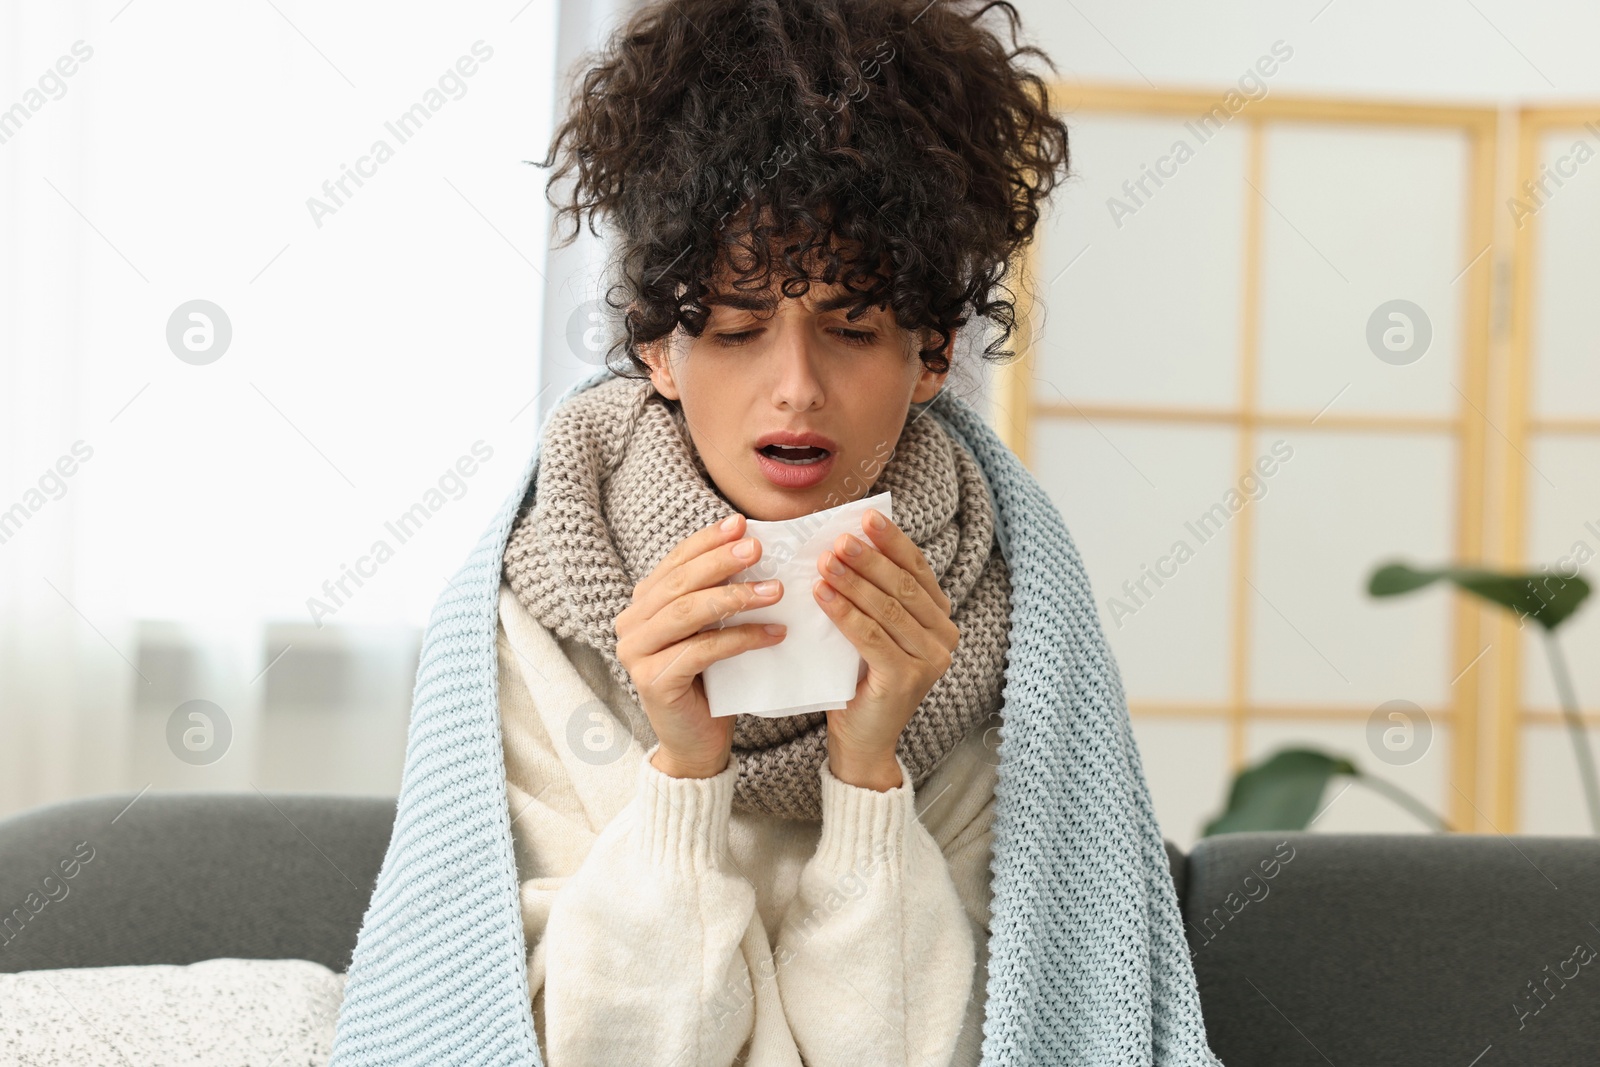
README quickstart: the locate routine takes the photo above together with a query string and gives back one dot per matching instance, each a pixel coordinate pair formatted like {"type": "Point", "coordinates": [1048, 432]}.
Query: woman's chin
{"type": "Point", "coordinates": [771, 504]}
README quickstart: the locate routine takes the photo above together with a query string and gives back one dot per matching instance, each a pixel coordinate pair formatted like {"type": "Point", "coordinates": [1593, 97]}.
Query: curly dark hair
{"type": "Point", "coordinates": [898, 143]}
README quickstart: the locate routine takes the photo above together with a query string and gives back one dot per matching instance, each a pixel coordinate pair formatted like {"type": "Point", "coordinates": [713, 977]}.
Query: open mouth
{"type": "Point", "coordinates": [795, 455]}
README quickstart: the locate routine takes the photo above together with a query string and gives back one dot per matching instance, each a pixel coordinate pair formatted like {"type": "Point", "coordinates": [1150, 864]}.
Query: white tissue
{"type": "Point", "coordinates": [814, 667]}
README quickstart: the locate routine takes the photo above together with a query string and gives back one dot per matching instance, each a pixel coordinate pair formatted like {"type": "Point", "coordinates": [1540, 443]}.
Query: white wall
{"type": "Point", "coordinates": [1150, 316]}
{"type": "Point", "coordinates": [1482, 51]}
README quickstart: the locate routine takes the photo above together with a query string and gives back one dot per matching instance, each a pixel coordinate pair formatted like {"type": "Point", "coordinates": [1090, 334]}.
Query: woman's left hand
{"type": "Point", "coordinates": [888, 603]}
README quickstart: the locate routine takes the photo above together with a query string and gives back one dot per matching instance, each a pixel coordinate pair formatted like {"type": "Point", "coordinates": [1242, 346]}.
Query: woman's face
{"type": "Point", "coordinates": [767, 364]}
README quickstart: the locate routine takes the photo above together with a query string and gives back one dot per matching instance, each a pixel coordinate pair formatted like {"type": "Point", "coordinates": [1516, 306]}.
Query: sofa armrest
{"type": "Point", "coordinates": [181, 877]}
{"type": "Point", "coordinates": [1312, 948]}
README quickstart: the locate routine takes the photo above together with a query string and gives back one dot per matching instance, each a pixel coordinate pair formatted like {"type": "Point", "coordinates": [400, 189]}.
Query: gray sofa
{"type": "Point", "coordinates": [1471, 950]}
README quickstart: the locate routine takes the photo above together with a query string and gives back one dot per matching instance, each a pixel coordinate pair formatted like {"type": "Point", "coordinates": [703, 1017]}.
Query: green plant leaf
{"type": "Point", "coordinates": [1279, 793]}
{"type": "Point", "coordinates": [1548, 599]}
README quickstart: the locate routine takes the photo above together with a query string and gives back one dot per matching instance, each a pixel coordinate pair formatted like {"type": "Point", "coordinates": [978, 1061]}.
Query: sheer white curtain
{"type": "Point", "coordinates": [278, 323]}
{"type": "Point", "coordinates": [274, 284]}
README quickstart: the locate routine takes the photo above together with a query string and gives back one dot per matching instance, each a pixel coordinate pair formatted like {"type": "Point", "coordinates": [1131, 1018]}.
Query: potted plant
{"type": "Point", "coordinates": [1281, 792]}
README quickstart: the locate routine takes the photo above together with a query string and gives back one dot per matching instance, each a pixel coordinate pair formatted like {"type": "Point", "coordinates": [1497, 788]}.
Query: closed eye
{"type": "Point", "coordinates": [851, 337]}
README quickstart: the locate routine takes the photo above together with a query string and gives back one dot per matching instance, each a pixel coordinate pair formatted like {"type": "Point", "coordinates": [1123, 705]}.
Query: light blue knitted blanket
{"type": "Point", "coordinates": [1088, 965]}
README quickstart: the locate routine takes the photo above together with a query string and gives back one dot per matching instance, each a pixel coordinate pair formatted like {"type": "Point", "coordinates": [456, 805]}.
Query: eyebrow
{"type": "Point", "coordinates": [766, 301]}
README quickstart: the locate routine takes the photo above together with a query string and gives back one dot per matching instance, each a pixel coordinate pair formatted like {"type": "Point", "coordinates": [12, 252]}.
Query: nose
{"type": "Point", "coordinates": [797, 385]}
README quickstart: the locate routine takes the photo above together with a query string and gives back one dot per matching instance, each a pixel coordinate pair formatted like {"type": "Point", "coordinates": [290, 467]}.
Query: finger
{"type": "Point", "coordinates": [677, 665]}
{"type": "Point", "coordinates": [693, 612]}
{"type": "Point", "coordinates": [898, 546]}
{"type": "Point", "coordinates": [886, 612]}
{"type": "Point", "coordinates": [706, 570]}
{"type": "Point", "coordinates": [892, 578]}
{"type": "Point", "coordinates": [691, 548]}
{"type": "Point", "coordinates": [884, 653]}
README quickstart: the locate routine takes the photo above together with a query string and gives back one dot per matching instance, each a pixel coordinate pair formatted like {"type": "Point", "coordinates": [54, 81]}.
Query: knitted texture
{"type": "Point", "coordinates": [619, 486]}
{"type": "Point", "coordinates": [1088, 965]}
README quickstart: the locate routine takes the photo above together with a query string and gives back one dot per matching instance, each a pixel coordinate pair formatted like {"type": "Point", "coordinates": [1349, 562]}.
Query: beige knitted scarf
{"type": "Point", "coordinates": [620, 483]}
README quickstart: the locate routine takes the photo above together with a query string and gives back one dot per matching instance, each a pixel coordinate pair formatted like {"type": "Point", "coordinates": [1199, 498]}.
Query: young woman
{"type": "Point", "coordinates": [808, 198]}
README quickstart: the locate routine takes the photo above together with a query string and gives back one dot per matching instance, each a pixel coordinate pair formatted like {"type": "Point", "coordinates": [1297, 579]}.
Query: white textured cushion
{"type": "Point", "coordinates": [261, 1013]}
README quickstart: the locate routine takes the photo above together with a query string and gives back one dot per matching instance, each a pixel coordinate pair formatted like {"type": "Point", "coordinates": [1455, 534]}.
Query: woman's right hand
{"type": "Point", "coordinates": [660, 644]}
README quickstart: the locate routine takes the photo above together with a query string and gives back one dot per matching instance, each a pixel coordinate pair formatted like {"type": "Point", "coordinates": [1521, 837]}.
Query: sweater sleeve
{"type": "Point", "coordinates": [643, 948]}
{"type": "Point", "coordinates": [605, 845]}
{"type": "Point", "coordinates": [875, 957]}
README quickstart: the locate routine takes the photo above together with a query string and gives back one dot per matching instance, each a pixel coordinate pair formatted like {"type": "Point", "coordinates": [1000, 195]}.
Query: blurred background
{"type": "Point", "coordinates": [280, 322]}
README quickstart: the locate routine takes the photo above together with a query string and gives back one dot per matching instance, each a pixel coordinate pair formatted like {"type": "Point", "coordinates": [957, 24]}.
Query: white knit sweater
{"type": "Point", "coordinates": [666, 929]}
